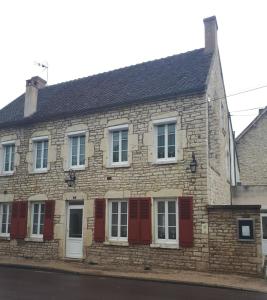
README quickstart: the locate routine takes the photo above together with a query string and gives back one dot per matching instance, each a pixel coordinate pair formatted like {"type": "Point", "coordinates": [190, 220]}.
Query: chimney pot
{"type": "Point", "coordinates": [211, 28]}
{"type": "Point", "coordinates": [31, 96]}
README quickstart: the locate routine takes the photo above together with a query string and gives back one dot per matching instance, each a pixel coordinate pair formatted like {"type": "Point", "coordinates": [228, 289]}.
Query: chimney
{"type": "Point", "coordinates": [211, 28]}
{"type": "Point", "coordinates": [31, 96]}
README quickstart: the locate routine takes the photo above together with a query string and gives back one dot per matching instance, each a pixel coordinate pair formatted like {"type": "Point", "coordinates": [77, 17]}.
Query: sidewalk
{"type": "Point", "coordinates": [163, 275]}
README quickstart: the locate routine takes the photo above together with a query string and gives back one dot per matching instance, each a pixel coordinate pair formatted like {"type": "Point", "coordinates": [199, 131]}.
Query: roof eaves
{"type": "Point", "coordinates": [33, 119]}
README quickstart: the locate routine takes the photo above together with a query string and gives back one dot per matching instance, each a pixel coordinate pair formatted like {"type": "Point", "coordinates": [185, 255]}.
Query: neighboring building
{"type": "Point", "coordinates": [148, 146]}
{"type": "Point", "coordinates": [251, 147]}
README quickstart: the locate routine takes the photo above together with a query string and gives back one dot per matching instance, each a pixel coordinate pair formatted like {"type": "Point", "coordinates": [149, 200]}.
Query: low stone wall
{"type": "Point", "coordinates": [29, 249]}
{"type": "Point", "coordinates": [226, 252]}
{"type": "Point", "coordinates": [145, 256]}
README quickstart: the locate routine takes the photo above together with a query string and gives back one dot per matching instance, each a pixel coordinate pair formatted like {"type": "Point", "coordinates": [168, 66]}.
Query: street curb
{"type": "Point", "coordinates": [107, 274]}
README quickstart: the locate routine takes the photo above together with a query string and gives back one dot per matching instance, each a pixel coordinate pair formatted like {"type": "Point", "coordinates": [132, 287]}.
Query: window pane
{"type": "Point", "coordinates": [124, 156]}
{"type": "Point", "coordinates": [161, 220]}
{"type": "Point", "coordinates": [171, 151]}
{"type": "Point", "coordinates": [41, 229]}
{"type": "Point", "coordinates": [34, 229]}
{"type": "Point", "coordinates": [124, 135]}
{"type": "Point", "coordinates": [75, 223]}
{"type": "Point", "coordinates": [161, 232]}
{"type": "Point", "coordinates": [82, 140]}
{"type": "Point", "coordinates": [114, 207]}
{"type": "Point", "coordinates": [116, 135]}
{"type": "Point", "coordinates": [114, 219]}
{"type": "Point", "coordinates": [171, 207]}
{"type": "Point", "coordinates": [45, 155]}
{"type": "Point", "coordinates": [36, 208]}
{"type": "Point", "coordinates": [161, 206]}
{"type": "Point", "coordinates": [161, 130]}
{"type": "Point", "coordinates": [171, 128]}
{"type": "Point", "coordinates": [82, 150]}
{"type": "Point", "coordinates": [124, 145]}
{"type": "Point", "coordinates": [123, 231]}
{"type": "Point", "coordinates": [82, 160]}
{"type": "Point", "coordinates": [12, 157]}
{"type": "Point", "coordinates": [171, 139]}
{"type": "Point", "coordinates": [35, 218]}
{"type": "Point", "coordinates": [124, 207]}
{"type": "Point", "coordinates": [114, 231]}
{"type": "Point", "coordinates": [161, 153]}
{"type": "Point", "coordinates": [264, 227]}
{"type": "Point", "coordinates": [115, 156]}
{"type": "Point", "coordinates": [172, 233]}
{"type": "Point", "coordinates": [3, 228]}
{"type": "Point", "coordinates": [123, 219]}
{"type": "Point", "coordinates": [172, 220]}
{"type": "Point", "coordinates": [115, 146]}
{"type": "Point", "coordinates": [7, 157]}
{"type": "Point", "coordinates": [161, 141]}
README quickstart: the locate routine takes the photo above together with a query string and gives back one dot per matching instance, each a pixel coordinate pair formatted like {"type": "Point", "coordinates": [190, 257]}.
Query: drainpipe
{"type": "Point", "coordinates": [230, 169]}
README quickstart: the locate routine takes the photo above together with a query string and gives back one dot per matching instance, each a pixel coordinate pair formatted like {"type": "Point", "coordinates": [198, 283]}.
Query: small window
{"type": "Point", "coordinates": [5, 218]}
{"type": "Point", "coordinates": [119, 146]}
{"type": "Point", "coordinates": [77, 151]}
{"type": "Point", "coordinates": [9, 155]}
{"type": "Point", "coordinates": [37, 220]}
{"type": "Point", "coordinates": [166, 221]}
{"type": "Point", "coordinates": [245, 229]}
{"type": "Point", "coordinates": [166, 142]}
{"type": "Point", "coordinates": [118, 220]}
{"type": "Point", "coordinates": [41, 154]}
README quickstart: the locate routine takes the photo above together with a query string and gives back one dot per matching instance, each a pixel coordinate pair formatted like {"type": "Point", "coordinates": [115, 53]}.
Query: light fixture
{"type": "Point", "coordinates": [71, 177]}
{"type": "Point", "coordinates": [193, 164]}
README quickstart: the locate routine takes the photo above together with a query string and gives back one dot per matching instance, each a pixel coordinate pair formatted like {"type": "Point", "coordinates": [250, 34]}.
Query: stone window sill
{"type": "Point", "coordinates": [116, 243]}
{"type": "Point", "coordinates": [166, 246]}
{"type": "Point", "coordinates": [118, 166]}
{"type": "Point", "coordinates": [39, 172]}
{"type": "Point", "coordinates": [166, 162]}
{"type": "Point", "coordinates": [4, 238]}
{"type": "Point", "coordinates": [33, 239]}
{"type": "Point", "coordinates": [7, 174]}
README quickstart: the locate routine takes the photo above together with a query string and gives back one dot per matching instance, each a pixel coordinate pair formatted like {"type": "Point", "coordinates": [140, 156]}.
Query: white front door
{"type": "Point", "coordinates": [264, 233]}
{"type": "Point", "coordinates": [74, 236]}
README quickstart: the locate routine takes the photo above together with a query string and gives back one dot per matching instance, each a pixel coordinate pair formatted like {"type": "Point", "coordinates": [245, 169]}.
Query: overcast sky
{"type": "Point", "coordinates": [81, 38]}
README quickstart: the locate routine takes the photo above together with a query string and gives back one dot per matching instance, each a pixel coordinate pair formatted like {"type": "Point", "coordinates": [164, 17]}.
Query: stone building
{"type": "Point", "coordinates": [131, 166]}
{"type": "Point", "coordinates": [251, 147]}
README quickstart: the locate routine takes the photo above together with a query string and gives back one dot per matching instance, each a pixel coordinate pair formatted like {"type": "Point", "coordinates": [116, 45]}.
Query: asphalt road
{"type": "Point", "coordinates": [38, 285]}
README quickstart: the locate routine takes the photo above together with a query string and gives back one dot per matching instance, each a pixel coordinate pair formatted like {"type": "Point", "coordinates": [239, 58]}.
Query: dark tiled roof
{"type": "Point", "coordinates": [163, 78]}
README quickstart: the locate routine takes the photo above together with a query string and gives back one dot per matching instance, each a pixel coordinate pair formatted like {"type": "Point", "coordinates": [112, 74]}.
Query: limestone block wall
{"type": "Point", "coordinates": [226, 252]}
{"type": "Point", "coordinates": [29, 249]}
{"type": "Point", "coordinates": [218, 138]}
{"type": "Point", "coordinates": [252, 154]}
{"type": "Point", "coordinates": [142, 177]}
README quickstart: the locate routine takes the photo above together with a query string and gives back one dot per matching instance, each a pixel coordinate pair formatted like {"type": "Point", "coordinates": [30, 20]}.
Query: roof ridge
{"type": "Point", "coordinates": [122, 68]}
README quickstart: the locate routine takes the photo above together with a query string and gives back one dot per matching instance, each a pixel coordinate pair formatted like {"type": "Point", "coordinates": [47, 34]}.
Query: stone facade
{"type": "Point", "coordinates": [251, 150]}
{"type": "Point", "coordinates": [227, 253]}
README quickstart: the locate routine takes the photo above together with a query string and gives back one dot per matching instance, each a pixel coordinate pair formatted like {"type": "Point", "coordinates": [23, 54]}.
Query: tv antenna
{"type": "Point", "coordinates": [44, 67]}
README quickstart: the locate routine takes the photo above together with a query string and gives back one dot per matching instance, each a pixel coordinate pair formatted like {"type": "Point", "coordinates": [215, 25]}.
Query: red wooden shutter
{"type": "Point", "coordinates": [14, 220]}
{"type": "Point", "coordinates": [133, 221]}
{"type": "Point", "coordinates": [186, 221]}
{"type": "Point", "coordinates": [49, 220]}
{"type": "Point", "coordinates": [100, 211]}
{"type": "Point", "coordinates": [139, 224]}
{"type": "Point", "coordinates": [22, 220]}
{"type": "Point", "coordinates": [145, 221]}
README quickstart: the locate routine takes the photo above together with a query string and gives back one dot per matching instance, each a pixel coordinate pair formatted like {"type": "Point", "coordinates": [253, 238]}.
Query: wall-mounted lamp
{"type": "Point", "coordinates": [70, 179]}
{"type": "Point", "coordinates": [193, 164]}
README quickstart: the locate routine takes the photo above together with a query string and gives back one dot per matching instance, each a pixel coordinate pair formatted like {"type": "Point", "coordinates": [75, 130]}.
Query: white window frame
{"type": "Point", "coordinates": [165, 122]}
{"type": "Point", "coordinates": [35, 140]}
{"type": "Point", "coordinates": [166, 241]}
{"type": "Point", "coordinates": [9, 211]}
{"type": "Point", "coordinates": [70, 136]}
{"type": "Point", "coordinates": [38, 235]}
{"type": "Point", "coordinates": [118, 238]}
{"type": "Point", "coordinates": [4, 145]}
{"type": "Point", "coordinates": [119, 128]}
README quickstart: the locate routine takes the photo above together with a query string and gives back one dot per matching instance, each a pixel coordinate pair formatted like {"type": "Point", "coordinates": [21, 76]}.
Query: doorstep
{"type": "Point", "coordinates": [162, 275]}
